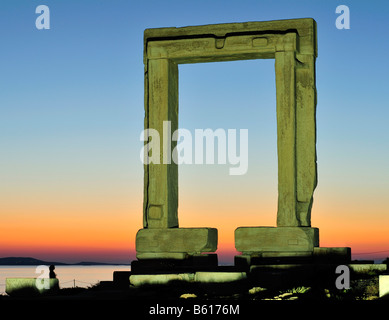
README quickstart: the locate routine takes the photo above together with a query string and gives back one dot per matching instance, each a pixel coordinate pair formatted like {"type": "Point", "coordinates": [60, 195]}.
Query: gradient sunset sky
{"type": "Point", "coordinates": [71, 114]}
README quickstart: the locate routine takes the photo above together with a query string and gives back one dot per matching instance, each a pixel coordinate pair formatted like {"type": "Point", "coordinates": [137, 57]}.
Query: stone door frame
{"type": "Point", "coordinates": [293, 45]}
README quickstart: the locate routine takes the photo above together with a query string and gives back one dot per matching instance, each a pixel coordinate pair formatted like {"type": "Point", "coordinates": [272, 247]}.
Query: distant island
{"type": "Point", "coordinates": [27, 261]}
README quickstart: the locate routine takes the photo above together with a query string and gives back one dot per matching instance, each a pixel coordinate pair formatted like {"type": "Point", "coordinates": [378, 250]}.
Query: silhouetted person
{"type": "Point", "coordinates": [52, 274]}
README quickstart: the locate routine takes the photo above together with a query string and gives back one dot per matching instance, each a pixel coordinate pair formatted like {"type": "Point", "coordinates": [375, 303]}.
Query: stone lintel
{"type": "Point", "coordinates": [305, 28]}
{"type": "Point", "coordinates": [174, 243]}
{"type": "Point", "coordinates": [276, 239]}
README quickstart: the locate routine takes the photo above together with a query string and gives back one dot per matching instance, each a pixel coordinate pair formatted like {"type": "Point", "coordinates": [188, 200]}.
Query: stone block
{"type": "Point", "coordinates": [28, 286]}
{"type": "Point", "coordinates": [162, 255]}
{"type": "Point", "coordinates": [219, 277]}
{"type": "Point", "coordinates": [271, 267]}
{"type": "Point", "coordinates": [198, 277]}
{"type": "Point", "coordinates": [279, 275]}
{"type": "Point", "coordinates": [276, 239]}
{"type": "Point", "coordinates": [159, 279]}
{"type": "Point", "coordinates": [384, 285]}
{"type": "Point", "coordinates": [339, 255]}
{"type": "Point", "coordinates": [191, 263]}
{"type": "Point", "coordinates": [244, 261]}
{"type": "Point", "coordinates": [174, 243]}
{"type": "Point", "coordinates": [367, 267]}
{"type": "Point", "coordinates": [121, 279]}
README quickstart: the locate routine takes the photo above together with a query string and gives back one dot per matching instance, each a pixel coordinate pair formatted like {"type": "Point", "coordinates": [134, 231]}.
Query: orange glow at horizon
{"type": "Point", "coordinates": [93, 226]}
{"type": "Point", "coordinates": [107, 232]}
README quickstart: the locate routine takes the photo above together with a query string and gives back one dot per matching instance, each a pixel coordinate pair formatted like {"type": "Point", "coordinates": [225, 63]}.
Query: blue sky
{"type": "Point", "coordinates": [71, 101]}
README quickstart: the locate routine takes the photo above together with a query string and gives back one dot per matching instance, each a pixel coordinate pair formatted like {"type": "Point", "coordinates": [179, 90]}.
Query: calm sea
{"type": "Point", "coordinates": [68, 276]}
